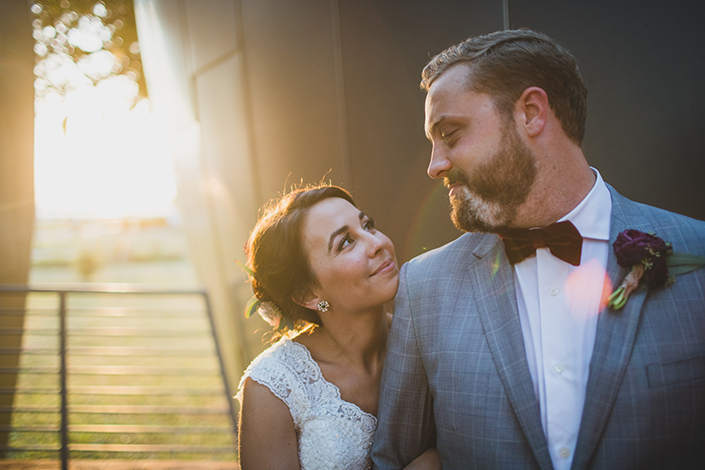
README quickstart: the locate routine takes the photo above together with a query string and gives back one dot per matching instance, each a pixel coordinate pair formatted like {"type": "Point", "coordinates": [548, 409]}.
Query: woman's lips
{"type": "Point", "coordinates": [385, 267]}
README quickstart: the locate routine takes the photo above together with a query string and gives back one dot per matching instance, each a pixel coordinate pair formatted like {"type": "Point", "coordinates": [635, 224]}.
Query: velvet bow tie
{"type": "Point", "coordinates": [562, 238]}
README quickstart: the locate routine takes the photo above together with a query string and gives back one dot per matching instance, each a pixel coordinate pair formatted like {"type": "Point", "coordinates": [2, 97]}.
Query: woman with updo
{"type": "Point", "coordinates": [321, 273]}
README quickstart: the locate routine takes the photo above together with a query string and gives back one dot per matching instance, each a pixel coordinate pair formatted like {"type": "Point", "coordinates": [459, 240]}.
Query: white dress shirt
{"type": "Point", "coordinates": [558, 309]}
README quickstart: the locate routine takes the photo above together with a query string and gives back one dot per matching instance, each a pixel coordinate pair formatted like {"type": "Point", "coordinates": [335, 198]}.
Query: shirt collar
{"type": "Point", "coordinates": [592, 216]}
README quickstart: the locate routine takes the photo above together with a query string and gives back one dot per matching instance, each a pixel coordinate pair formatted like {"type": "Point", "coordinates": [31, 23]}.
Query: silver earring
{"type": "Point", "coordinates": [323, 306]}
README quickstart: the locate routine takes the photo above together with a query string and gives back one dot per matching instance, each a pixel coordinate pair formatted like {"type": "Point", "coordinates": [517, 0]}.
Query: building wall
{"type": "Point", "coordinates": [16, 140]}
{"type": "Point", "coordinates": [265, 94]}
{"type": "Point", "coordinates": [16, 174]}
{"type": "Point", "coordinates": [193, 64]}
{"type": "Point", "coordinates": [641, 62]}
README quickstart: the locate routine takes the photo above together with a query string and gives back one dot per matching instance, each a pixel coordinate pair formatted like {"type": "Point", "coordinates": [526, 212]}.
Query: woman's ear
{"type": "Point", "coordinates": [532, 110]}
{"type": "Point", "coordinates": [309, 300]}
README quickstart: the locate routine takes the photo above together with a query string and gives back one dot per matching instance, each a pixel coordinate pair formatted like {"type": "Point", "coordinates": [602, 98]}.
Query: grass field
{"type": "Point", "coordinates": [102, 329]}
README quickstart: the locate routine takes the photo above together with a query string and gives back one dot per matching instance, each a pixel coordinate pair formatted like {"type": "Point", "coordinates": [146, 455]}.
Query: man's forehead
{"type": "Point", "coordinates": [445, 90]}
{"type": "Point", "coordinates": [456, 77]}
{"type": "Point", "coordinates": [452, 82]}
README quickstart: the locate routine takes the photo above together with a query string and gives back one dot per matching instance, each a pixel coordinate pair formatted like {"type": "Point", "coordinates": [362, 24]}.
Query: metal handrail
{"type": "Point", "coordinates": [112, 288]}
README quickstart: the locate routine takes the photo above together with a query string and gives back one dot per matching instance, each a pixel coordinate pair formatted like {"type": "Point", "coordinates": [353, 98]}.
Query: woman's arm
{"type": "Point", "coordinates": [429, 460]}
{"type": "Point", "coordinates": [267, 438]}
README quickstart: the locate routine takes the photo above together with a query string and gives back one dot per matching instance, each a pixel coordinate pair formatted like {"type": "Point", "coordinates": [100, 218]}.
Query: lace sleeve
{"type": "Point", "coordinates": [272, 370]}
{"type": "Point", "coordinates": [333, 434]}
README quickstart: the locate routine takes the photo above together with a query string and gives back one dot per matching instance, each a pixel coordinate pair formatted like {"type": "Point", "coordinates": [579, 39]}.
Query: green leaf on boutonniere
{"type": "Point", "coordinates": [681, 263]}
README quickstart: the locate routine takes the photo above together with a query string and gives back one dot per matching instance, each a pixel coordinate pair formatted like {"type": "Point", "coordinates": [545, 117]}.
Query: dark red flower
{"type": "Point", "coordinates": [635, 247]}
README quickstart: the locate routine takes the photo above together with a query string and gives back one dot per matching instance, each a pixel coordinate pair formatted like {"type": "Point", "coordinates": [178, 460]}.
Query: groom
{"type": "Point", "coordinates": [502, 353]}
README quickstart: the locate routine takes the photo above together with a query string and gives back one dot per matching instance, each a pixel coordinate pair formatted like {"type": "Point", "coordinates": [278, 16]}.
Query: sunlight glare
{"type": "Point", "coordinates": [582, 280]}
{"type": "Point", "coordinates": [97, 156]}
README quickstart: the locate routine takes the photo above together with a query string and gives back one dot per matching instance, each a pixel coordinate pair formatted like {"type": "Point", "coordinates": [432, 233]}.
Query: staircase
{"type": "Point", "coordinates": [116, 373]}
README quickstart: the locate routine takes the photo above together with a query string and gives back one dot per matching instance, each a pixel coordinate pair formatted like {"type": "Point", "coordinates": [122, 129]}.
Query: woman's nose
{"type": "Point", "coordinates": [376, 243]}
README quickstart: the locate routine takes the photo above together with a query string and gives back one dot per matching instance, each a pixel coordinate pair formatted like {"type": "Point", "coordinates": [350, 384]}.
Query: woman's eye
{"type": "Point", "coordinates": [346, 241]}
{"type": "Point", "coordinates": [369, 224]}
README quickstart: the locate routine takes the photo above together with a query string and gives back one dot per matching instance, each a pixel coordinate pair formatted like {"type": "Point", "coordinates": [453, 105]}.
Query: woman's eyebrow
{"type": "Point", "coordinates": [342, 229]}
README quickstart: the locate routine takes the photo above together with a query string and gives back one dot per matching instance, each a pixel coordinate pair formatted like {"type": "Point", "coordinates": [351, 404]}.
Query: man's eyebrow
{"type": "Point", "coordinates": [342, 229]}
{"type": "Point", "coordinates": [433, 127]}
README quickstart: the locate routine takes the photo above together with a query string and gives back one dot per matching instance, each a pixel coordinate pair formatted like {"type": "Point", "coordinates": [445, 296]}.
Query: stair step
{"type": "Point", "coordinates": [121, 409]}
{"type": "Point", "coordinates": [148, 429]}
{"type": "Point", "coordinates": [152, 448]}
{"type": "Point", "coordinates": [137, 390]}
{"type": "Point", "coordinates": [191, 405]}
{"type": "Point", "coordinates": [146, 409]}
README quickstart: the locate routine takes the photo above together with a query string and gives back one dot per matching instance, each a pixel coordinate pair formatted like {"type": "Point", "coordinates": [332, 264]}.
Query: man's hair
{"type": "Point", "coordinates": [505, 63]}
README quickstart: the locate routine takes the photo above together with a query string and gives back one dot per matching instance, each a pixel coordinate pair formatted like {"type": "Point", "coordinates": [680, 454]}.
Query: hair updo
{"type": "Point", "coordinates": [276, 255]}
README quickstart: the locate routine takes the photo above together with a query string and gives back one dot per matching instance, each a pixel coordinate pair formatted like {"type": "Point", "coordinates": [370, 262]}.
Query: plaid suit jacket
{"type": "Point", "coordinates": [456, 374]}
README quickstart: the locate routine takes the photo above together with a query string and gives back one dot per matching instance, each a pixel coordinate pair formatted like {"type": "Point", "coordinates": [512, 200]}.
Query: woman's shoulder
{"type": "Point", "coordinates": [290, 353]}
{"type": "Point", "coordinates": [278, 351]}
{"type": "Point", "coordinates": [283, 367]}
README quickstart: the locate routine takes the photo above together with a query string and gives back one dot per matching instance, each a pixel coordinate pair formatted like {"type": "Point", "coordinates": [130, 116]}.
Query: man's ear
{"type": "Point", "coordinates": [532, 110]}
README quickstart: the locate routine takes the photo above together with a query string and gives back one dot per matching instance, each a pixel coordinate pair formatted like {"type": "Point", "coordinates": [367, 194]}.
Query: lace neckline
{"type": "Point", "coordinates": [332, 386]}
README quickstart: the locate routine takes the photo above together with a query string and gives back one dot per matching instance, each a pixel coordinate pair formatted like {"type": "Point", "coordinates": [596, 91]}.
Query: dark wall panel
{"type": "Point", "coordinates": [342, 95]}
{"type": "Point", "coordinates": [373, 139]}
{"type": "Point", "coordinates": [385, 46]}
{"type": "Point", "coordinates": [643, 65]}
{"type": "Point", "coordinates": [290, 49]}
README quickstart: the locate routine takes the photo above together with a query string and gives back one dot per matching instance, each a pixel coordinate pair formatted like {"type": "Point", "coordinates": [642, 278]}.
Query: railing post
{"type": "Point", "coordinates": [64, 392]}
{"type": "Point", "coordinates": [226, 383]}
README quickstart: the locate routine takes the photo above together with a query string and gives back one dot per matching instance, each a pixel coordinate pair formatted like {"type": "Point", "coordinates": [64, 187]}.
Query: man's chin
{"type": "Point", "coordinates": [466, 223]}
{"type": "Point", "coordinates": [483, 219]}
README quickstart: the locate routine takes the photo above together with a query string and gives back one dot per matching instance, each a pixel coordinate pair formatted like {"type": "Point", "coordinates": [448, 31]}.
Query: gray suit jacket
{"type": "Point", "coordinates": [456, 374]}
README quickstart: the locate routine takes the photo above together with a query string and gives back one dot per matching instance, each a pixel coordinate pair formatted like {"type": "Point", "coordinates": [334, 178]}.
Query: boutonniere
{"type": "Point", "coordinates": [650, 258]}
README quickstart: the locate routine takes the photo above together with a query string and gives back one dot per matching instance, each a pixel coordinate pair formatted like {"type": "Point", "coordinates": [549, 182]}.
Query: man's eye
{"type": "Point", "coordinates": [446, 136]}
{"type": "Point", "coordinates": [369, 224]}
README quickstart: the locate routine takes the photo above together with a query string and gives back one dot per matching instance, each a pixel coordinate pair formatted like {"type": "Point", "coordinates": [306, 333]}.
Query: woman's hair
{"type": "Point", "coordinates": [277, 258]}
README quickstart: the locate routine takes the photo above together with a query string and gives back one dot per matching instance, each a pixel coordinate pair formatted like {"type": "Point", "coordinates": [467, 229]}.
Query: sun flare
{"type": "Point", "coordinates": [99, 151]}
{"type": "Point", "coordinates": [97, 156]}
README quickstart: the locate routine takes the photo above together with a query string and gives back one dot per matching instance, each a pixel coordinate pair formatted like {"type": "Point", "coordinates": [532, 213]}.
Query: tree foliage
{"type": "Point", "coordinates": [81, 42]}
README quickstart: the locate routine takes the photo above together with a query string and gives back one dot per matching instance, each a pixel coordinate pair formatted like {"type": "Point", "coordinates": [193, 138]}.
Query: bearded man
{"type": "Point", "coordinates": [503, 352]}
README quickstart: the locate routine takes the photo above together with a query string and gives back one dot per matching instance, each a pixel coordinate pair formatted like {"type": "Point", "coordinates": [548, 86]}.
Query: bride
{"type": "Point", "coordinates": [321, 273]}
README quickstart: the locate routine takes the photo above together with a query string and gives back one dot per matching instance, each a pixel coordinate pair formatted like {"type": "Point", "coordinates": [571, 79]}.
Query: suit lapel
{"type": "Point", "coordinates": [616, 332]}
{"type": "Point", "coordinates": [493, 278]}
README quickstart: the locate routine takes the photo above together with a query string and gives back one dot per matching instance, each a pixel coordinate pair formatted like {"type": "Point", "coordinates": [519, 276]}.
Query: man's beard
{"type": "Point", "coordinates": [490, 199]}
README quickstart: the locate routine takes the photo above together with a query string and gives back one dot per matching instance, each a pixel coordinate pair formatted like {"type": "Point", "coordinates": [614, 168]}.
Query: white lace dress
{"type": "Point", "coordinates": [332, 433]}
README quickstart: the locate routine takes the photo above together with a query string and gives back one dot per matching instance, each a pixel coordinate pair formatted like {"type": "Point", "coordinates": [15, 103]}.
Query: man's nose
{"type": "Point", "coordinates": [439, 165]}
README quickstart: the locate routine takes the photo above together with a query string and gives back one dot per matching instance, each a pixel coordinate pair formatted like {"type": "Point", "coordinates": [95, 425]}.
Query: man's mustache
{"type": "Point", "coordinates": [456, 176]}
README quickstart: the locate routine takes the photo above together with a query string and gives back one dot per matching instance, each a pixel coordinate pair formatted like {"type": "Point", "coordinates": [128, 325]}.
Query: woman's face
{"type": "Point", "coordinates": [353, 262]}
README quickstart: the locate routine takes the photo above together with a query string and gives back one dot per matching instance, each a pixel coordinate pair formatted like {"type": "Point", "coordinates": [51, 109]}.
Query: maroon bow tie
{"type": "Point", "coordinates": [562, 238]}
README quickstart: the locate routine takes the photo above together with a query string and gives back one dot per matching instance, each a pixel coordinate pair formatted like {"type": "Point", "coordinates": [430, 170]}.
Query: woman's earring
{"type": "Point", "coordinates": [323, 306]}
